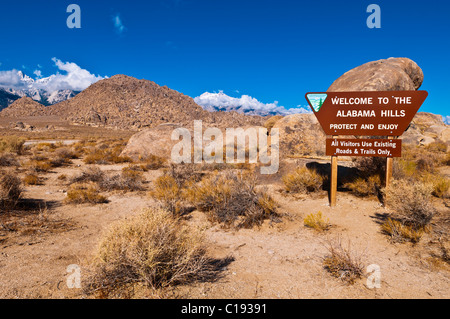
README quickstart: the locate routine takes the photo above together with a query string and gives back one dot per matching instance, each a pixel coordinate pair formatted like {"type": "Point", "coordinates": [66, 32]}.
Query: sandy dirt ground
{"type": "Point", "coordinates": [277, 260]}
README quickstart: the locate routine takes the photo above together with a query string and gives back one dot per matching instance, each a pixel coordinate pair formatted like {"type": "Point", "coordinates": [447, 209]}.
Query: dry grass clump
{"type": "Point", "coordinates": [363, 187]}
{"type": "Point", "coordinates": [153, 249]}
{"type": "Point", "coordinates": [342, 262]}
{"type": "Point", "coordinates": [399, 232]}
{"type": "Point", "coordinates": [317, 221]}
{"type": "Point", "coordinates": [370, 166]}
{"type": "Point", "coordinates": [32, 179]}
{"type": "Point", "coordinates": [231, 199]}
{"type": "Point", "coordinates": [127, 180]}
{"type": "Point", "coordinates": [106, 156]}
{"type": "Point", "coordinates": [152, 163]}
{"type": "Point", "coordinates": [10, 189]}
{"type": "Point", "coordinates": [8, 159]}
{"type": "Point", "coordinates": [12, 144]}
{"type": "Point", "coordinates": [303, 180]}
{"type": "Point", "coordinates": [89, 174]}
{"type": "Point", "coordinates": [80, 193]}
{"type": "Point", "coordinates": [183, 173]}
{"type": "Point", "coordinates": [169, 194]}
{"type": "Point", "coordinates": [410, 203]}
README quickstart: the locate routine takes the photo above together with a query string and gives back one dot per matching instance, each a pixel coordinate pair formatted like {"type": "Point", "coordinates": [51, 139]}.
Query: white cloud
{"type": "Point", "coordinates": [118, 24]}
{"type": "Point", "coordinates": [11, 79]}
{"type": "Point", "coordinates": [72, 77]}
{"type": "Point", "coordinates": [447, 119]}
{"type": "Point", "coordinates": [245, 104]}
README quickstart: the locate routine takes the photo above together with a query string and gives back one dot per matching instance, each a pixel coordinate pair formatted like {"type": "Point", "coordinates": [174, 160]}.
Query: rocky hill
{"type": "Point", "coordinates": [24, 106]}
{"type": "Point", "coordinates": [128, 103]}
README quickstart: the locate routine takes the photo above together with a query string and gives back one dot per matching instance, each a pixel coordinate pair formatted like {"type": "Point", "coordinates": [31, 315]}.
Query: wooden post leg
{"type": "Point", "coordinates": [333, 182]}
{"type": "Point", "coordinates": [389, 165]}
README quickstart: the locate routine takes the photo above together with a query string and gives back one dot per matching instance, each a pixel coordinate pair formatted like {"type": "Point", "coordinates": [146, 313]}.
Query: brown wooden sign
{"type": "Point", "coordinates": [364, 147]}
{"type": "Point", "coordinates": [385, 113]}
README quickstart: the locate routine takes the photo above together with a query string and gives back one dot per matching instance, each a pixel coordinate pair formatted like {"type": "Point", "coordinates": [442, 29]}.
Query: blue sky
{"type": "Point", "coordinates": [270, 50]}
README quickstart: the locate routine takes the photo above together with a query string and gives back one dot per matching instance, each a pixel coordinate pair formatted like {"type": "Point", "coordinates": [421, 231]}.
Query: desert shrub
{"type": "Point", "coordinates": [127, 180]}
{"type": "Point", "coordinates": [152, 249]}
{"type": "Point", "coordinates": [404, 169]}
{"type": "Point", "coordinates": [398, 232]}
{"type": "Point", "coordinates": [89, 174]}
{"type": "Point", "coordinates": [303, 180]}
{"type": "Point", "coordinates": [167, 191]}
{"type": "Point", "coordinates": [231, 199]}
{"type": "Point", "coordinates": [12, 144]}
{"type": "Point", "coordinates": [363, 187]}
{"type": "Point", "coordinates": [66, 153]}
{"type": "Point", "coordinates": [44, 147]}
{"type": "Point", "coordinates": [410, 203]}
{"type": "Point", "coordinates": [10, 189]}
{"type": "Point", "coordinates": [8, 159]}
{"type": "Point", "coordinates": [183, 173]}
{"type": "Point", "coordinates": [39, 166]}
{"type": "Point", "coordinates": [441, 187]}
{"type": "Point", "coordinates": [32, 179]}
{"type": "Point", "coordinates": [153, 162]}
{"type": "Point", "coordinates": [342, 262]}
{"type": "Point", "coordinates": [317, 221]}
{"type": "Point", "coordinates": [80, 193]}
{"type": "Point", "coordinates": [369, 166]}
{"type": "Point", "coordinates": [446, 159]}
{"type": "Point", "coordinates": [62, 177]}
{"type": "Point", "coordinates": [437, 147]}
{"type": "Point", "coordinates": [106, 156]}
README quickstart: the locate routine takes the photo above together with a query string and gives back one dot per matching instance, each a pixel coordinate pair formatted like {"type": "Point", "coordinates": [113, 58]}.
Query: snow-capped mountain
{"type": "Point", "coordinates": [245, 104]}
{"type": "Point", "coordinates": [24, 85]}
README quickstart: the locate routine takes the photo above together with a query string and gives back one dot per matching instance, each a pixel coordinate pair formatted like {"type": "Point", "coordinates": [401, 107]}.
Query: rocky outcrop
{"type": "Point", "coordinates": [300, 134]}
{"type": "Point", "coordinates": [128, 103]}
{"type": "Point", "coordinates": [156, 141]}
{"type": "Point", "coordinates": [23, 107]}
{"type": "Point", "coordinates": [393, 74]}
{"type": "Point", "coordinates": [425, 129]}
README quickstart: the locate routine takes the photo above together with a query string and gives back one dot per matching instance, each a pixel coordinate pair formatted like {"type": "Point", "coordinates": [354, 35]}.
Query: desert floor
{"type": "Point", "coordinates": [278, 260]}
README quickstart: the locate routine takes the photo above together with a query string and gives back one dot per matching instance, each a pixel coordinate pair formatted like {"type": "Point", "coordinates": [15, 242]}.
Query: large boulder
{"type": "Point", "coordinates": [156, 141]}
{"type": "Point", "coordinates": [426, 128]}
{"type": "Point", "coordinates": [393, 74]}
{"type": "Point", "coordinates": [300, 134]}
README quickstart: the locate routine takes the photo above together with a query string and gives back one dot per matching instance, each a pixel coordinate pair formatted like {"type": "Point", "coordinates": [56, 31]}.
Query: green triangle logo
{"type": "Point", "coordinates": [316, 100]}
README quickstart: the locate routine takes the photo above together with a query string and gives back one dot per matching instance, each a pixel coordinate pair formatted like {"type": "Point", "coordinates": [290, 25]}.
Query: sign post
{"type": "Point", "coordinates": [383, 114]}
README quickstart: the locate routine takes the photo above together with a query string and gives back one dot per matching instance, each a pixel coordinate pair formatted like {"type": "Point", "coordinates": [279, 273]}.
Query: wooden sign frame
{"type": "Point", "coordinates": [365, 113]}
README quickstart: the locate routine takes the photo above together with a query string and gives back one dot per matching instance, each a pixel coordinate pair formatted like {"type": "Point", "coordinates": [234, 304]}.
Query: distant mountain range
{"type": "Point", "coordinates": [35, 89]}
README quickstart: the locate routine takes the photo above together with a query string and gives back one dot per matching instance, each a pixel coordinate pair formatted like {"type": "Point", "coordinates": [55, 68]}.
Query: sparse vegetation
{"type": "Point", "coordinates": [80, 193]}
{"type": "Point", "coordinates": [32, 179]}
{"type": "Point", "coordinates": [232, 199]}
{"type": "Point", "coordinates": [303, 180]}
{"type": "Point", "coordinates": [363, 187]}
{"type": "Point", "coordinates": [153, 249]}
{"type": "Point", "coordinates": [317, 221]}
{"type": "Point", "coordinates": [12, 144]}
{"type": "Point", "coordinates": [106, 156]}
{"type": "Point", "coordinates": [410, 203]}
{"type": "Point", "coordinates": [169, 194]}
{"type": "Point", "coordinates": [399, 232]}
{"type": "Point", "coordinates": [343, 262]}
{"type": "Point", "coordinates": [10, 189]}
{"type": "Point", "coordinates": [8, 160]}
